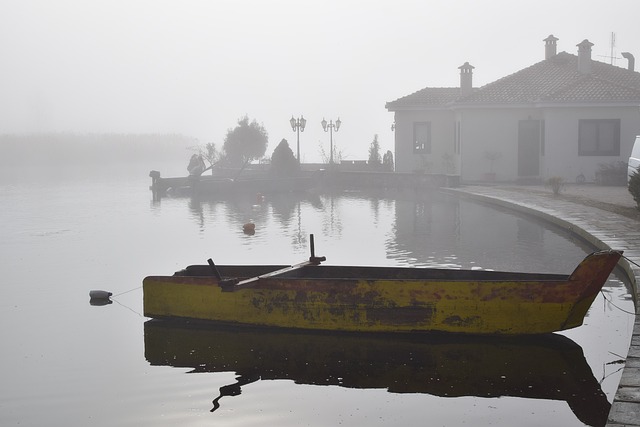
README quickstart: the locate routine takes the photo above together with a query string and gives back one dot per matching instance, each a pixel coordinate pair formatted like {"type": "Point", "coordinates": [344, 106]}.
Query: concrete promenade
{"type": "Point", "coordinates": [605, 217]}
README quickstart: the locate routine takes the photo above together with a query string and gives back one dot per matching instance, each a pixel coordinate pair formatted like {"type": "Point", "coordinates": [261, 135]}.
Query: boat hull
{"type": "Point", "coordinates": [370, 299]}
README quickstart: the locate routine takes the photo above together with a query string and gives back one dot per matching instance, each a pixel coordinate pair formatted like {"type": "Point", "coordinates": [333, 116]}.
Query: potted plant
{"type": "Point", "coordinates": [492, 156]}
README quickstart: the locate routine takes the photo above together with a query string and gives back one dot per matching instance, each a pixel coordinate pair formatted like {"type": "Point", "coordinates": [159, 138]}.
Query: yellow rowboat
{"type": "Point", "coordinates": [380, 299]}
{"type": "Point", "coordinates": [549, 366]}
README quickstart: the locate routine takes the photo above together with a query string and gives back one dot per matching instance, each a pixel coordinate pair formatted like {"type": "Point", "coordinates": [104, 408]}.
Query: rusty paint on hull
{"type": "Point", "coordinates": [388, 305]}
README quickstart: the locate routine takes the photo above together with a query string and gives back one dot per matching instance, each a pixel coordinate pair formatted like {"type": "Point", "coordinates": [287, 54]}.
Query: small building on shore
{"type": "Point", "coordinates": [566, 116]}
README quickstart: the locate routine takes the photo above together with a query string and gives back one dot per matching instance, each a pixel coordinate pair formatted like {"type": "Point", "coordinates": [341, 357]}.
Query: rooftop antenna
{"type": "Point", "coordinates": [613, 45]}
{"type": "Point", "coordinates": [612, 55]}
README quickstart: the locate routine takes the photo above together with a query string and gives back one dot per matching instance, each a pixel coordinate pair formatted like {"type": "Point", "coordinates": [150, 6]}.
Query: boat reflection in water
{"type": "Point", "coordinates": [548, 366]}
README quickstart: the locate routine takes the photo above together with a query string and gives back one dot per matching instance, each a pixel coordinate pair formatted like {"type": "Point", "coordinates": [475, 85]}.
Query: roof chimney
{"type": "Point", "coordinates": [631, 59]}
{"type": "Point", "coordinates": [550, 46]}
{"type": "Point", "coordinates": [466, 79]}
{"type": "Point", "coordinates": [584, 56]}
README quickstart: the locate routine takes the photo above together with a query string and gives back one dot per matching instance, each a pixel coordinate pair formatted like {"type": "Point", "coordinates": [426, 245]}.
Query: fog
{"type": "Point", "coordinates": [194, 68]}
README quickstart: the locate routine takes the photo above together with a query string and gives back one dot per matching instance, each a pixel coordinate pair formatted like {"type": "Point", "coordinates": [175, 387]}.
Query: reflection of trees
{"type": "Point", "coordinates": [331, 218]}
{"type": "Point", "coordinates": [283, 206]}
{"type": "Point", "coordinates": [281, 212]}
{"type": "Point", "coordinates": [286, 211]}
{"type": "Point", "coordinates": [299, 239]}
{"type": "Point", "coordinates": [427, 229]}
{"type": "Point", "coordinates": [195, 206]}
{"type": "Point", "coordinates": [374, 203]}
{"type": "Point", "coordinates": [244, 208]}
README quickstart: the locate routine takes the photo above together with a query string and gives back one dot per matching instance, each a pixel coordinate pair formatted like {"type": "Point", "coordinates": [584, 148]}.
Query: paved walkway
{"type": "Point", "coordinates": [589, 211]}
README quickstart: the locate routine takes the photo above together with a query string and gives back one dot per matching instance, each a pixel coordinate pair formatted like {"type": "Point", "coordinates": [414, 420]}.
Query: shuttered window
{"type": "Point", "coordinates": [599, 137]}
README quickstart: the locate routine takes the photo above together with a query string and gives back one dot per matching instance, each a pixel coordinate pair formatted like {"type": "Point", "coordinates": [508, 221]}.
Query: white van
{"type": "Point", "coordinates": [634, 160]}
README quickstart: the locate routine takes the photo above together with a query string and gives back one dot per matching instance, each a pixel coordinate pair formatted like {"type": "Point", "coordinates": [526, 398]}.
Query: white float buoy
{"type": "Point", "coordinates": [99, 294]}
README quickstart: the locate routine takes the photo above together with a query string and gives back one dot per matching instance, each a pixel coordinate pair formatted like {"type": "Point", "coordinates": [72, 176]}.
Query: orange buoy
{"type": "Point", "coordinates": [249, 228]}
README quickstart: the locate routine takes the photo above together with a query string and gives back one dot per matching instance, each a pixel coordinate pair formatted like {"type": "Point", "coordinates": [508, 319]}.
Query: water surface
{"type": "Point", "coordinates": [65, 362]}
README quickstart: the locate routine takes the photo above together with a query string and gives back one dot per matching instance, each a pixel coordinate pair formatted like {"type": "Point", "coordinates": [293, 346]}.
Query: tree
{"type": "Point", "coordinates": [210, 153]}
{"type": "Point", "coordinates": [337, 154]}
{"type": "Point", "coordinates": [387, 161]}
{"type": "Point", "coordinates": [246, 142]}
{"type": "Point", "coordinates": [374, 153]}
{"type": "Point", "coordinates": [283, 162]}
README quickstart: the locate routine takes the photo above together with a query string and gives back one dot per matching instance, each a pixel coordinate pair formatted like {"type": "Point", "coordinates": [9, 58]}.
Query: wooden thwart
{"type": "Point", "coordinates": [230, 285]}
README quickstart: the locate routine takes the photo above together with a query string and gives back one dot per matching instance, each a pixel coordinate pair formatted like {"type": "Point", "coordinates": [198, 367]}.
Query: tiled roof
{"type": "Point", "coordinates": [430, 96]}
{"type": "Point", "coordinates": [594, 89]}
{"type": "Point", "coordinates": [556, 79]}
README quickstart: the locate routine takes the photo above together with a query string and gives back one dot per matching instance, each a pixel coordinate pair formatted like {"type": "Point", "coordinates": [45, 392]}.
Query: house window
{"type": "Point", "coordinates": [599, 137]}
{"type": "Point", "coordinates": [422, 137]}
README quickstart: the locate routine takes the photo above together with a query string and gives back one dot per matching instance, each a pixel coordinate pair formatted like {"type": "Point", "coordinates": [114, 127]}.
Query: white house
{"type": "Point", "coordinates": [564, 116]}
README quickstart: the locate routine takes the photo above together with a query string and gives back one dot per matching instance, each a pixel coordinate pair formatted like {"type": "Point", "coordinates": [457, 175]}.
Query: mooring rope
{"type": "Point", "coordinates": [628, 259]}
{"type": "Point", "coordinates": [127, 307]}
{"type": "Point", "coordinates": [112, 298]}
{"type": "Point", "coordinates": [613, 304]}
{"type": "Point", "coordinates": [126, 292]}
{"type": "Point", "coordinates": [604, 373]}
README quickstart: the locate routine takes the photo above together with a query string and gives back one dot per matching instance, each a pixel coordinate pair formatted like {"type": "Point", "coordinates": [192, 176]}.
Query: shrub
{"type": "Point", "coordinates": [634, 187]}
{"type": "Point", "coordinates": [374, 153]}
{"type": "Point", "coordinates": [387, 161]}
{"type": "Point", "coordinates": [556, 183]}
{"type": "Point", "coordinates": [614, 173]}
{"type": "Point", "coordinates": [283, 162]}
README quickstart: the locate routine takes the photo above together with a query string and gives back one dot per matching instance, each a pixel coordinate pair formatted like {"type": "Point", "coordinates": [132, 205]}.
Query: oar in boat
{"type": "Point", "coordinates": [214, 269]}
{"type": "Point", "coordinates": [231, 285]}
{"type": "Point", "coordinates": [224, 283]}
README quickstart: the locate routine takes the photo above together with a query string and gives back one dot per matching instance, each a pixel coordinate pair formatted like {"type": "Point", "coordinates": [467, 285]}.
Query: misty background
{"type": "Point", "coordinates": [187, 71]}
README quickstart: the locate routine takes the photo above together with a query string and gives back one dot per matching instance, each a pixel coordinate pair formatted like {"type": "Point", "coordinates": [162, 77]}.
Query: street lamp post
{"type": "Point", "coordinates": [331, 127]}
{"type": "Point", "coordinates": [298, 126]}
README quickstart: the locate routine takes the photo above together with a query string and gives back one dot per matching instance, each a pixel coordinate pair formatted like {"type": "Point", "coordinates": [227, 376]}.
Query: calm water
{"type": "Point", "coordinates": [65, 362]}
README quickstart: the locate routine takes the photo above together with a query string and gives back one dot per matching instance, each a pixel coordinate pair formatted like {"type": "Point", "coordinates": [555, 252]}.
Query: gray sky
{"type": "Point", "coordinates": [196, 67]}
